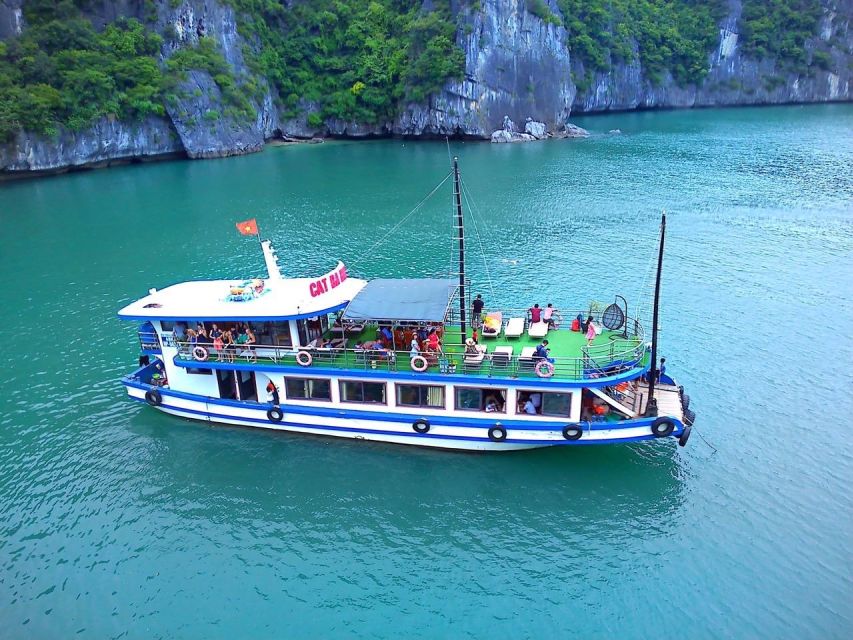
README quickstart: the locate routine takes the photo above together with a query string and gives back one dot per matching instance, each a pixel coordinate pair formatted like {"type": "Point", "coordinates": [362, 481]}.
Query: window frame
{"type": "Point", "coordinates": [421, 387]}
{"type": "Point", "coordinates": [308, 398]}
{"type": "Point", "coordinates": [503, 391]}
{"type": "Point", "coordinates": [519, 411]}
{"type": "Point", "coordinates": [384, 384]}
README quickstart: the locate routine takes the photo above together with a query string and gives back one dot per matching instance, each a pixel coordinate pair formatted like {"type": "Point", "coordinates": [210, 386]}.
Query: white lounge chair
{"type": "Point", "coordinates": [492, 324]}
{"type": "Point", "coordinates": [472, 361]}
{"type": "Point", "coordinates": [514, 328]}
{"type": "Point", "coordinates": [537, 329]}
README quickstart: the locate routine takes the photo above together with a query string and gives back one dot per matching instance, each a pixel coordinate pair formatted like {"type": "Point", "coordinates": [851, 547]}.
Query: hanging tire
{"type": "Point", "coordinates": [304, 359]}
{"type": "Point", "coordinates": [689, 417]}
{"type": "Point", "coordinates": [685, 435]}
{"type": "Point", "coordinates": [662, 427]}
{"type": "Point", "coordinates": [154, 397]}
{"type": "Point", "coordinates": [275, 414]}
{"type": "Point", "coordinates": [421, 426]}
{"type": "Point", "coordinates": [544, 369]}
{"type": "Point", "coordinates": [200, 353]}
{"type": "Point", "coordinates": [685, 402]}
{"type": "Point", "coordinates": [572, 432]}
{"type": "Point", "coordinates": [497, 433]}
{"type": "Point", "coordinates": [419, 364]}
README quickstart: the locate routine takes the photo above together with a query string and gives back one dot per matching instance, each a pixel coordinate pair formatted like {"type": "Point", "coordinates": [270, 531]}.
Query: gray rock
{"type": "Point", "coordinates": [535, 129]}
{"type": "Point", "coordinates": [615, 132]}
{"type": "Point", "coordinates": [570, 130]}
{"type": "Point", "coordinates": [104, 142]}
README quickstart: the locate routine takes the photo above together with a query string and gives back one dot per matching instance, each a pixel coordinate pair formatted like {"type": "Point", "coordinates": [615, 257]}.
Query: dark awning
{"type": "Point", "coordinates": [414, 300]}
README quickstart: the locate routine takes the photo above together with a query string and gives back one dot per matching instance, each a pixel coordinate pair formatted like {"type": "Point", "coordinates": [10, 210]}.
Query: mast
{"type": "Point", "coordinates": [652, 403]}
{"type": "Point", "coordinates": [457, 193]}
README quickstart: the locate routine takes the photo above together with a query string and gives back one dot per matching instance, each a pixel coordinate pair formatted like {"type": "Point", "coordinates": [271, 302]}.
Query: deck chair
{"type": "Point", "coordinates": [537, 329]}
{"type": "Point", "coordinates": [526, 360]}
{"type": "Point", "coordinates": [472, 361]}
{"type": "Point", "coordinates": [514, 328]}
{"type": "Point", "coordinates": [492, 324]}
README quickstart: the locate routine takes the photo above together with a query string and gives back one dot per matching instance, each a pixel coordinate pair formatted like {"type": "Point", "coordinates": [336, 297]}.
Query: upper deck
{"type": "Point", "coordinates": [613, 354]}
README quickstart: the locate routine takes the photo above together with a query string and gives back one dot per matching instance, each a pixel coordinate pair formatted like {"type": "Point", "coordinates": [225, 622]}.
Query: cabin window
{"type": "Point", "coordinates": [357, 391]}
{"type": "Point", "coordinates": [272, 334]}
{"type": "Point", "coordinates": [420, 395]}
{"type": "Point", "coordinates": [544, 404]}
{"type": "Point", "coordinates": [200, 372]}
{"type": "Point", "coordinates": [166, 325]}
{"type": "Point", "coordinates": [475, 399]}
{"type": "Point", "coordinates": [308, 389]}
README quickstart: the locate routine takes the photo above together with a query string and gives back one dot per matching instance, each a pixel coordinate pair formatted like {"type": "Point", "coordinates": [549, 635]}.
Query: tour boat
{"type": "Point", "coordinates": [397, 360]}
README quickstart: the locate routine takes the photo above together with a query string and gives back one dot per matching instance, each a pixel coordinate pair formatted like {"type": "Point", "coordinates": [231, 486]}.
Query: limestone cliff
{"type": "Point", "coordinates": [516, 65]}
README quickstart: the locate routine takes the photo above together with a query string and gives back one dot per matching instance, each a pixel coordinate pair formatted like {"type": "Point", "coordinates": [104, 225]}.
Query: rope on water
{"type": "Point", "coordinates": [400, 223]}
{"type": "Point", "coordinates": [699, 433]}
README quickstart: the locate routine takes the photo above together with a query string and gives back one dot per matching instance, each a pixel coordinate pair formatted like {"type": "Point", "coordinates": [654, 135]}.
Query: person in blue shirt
{"type": "Point", "coordinates": [542, 352]}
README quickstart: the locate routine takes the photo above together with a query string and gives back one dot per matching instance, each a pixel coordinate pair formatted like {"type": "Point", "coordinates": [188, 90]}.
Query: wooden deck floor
{"type": "Point", "coordinates": [669, 400]}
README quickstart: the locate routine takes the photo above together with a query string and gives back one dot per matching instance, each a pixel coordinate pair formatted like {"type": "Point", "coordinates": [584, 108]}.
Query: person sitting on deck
{"type": "Point", "coordinates": [542, 352]}
{"type": "Point", "coordinates": [471, 348]}
{"type": "Point", "coordinates": [535, 313]}
{"type": "Point", "coordinates": [548, 315]}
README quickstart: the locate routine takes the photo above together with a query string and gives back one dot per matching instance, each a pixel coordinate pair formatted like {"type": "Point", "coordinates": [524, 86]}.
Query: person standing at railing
{"type": "Point", "coordinates": [477, 311]}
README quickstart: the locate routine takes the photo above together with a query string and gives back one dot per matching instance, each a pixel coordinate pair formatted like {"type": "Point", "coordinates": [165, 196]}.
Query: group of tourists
{"type": "Point", "coordinates": [225, 342]}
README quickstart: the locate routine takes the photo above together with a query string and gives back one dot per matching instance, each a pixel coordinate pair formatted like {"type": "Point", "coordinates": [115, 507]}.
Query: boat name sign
{"type": "Point", "coordinates": [329, 281]}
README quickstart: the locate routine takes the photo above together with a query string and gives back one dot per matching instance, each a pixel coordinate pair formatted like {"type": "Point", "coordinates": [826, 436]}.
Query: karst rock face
{"type": "Point", "coordinates": [517, 65]}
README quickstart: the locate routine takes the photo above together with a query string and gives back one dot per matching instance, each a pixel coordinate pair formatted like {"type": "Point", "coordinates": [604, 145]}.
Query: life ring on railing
{"type": "Point", "coordinates": [685, 436]}
{"type": "Point", "coordinates": [544, 369]}
{"type": "Point", "coordinates": [304, 359]}
{"type": "Point", "coordinates": [200, 353]}
{"type": "Point", "coordinates": [556, 319]}
{"type": "Point", "coordinates": [662, 427]}
{"type": "Point", "coordinates": [421, 425]}
{"type": "Point", "coordinates": [419, 364]}
{"type": "Point", "coordinates": [154, 397]}
{"type": "Point", "coordinates": [275, 414]}
{"type": "Point", "coordinates": [572, 432]}
{"type": "Point", "coordinates": [497, 433]}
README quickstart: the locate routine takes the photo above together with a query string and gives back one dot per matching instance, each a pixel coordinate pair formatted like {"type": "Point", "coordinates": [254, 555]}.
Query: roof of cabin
{"type": "Point", "coordinates": [284, 299]}
{"type": "Point", "coordinates": [396, 299]}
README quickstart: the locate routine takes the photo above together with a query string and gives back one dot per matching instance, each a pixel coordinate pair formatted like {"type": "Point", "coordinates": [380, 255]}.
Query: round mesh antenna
{"type": "Point", "coordinates": [613, 317]}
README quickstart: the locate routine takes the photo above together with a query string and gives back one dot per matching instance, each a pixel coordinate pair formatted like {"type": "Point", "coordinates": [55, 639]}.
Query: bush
{"type": "Point", "coordinates": [779, 29]}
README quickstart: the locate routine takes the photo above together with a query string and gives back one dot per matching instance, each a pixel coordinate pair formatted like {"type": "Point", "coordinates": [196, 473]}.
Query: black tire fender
{"type": "Point", "coordinates": [275, 414]}
{"type": "Point", "coordinates": [689, 417]}
{"type": "Point", "coordinates": [421, 425]}
{"type": "Point", "coordinates": [497, 433]}
{"type": "Point", "coordinates": [685, 402]}
{"type": "Point", "coordinates": [662, 427]}
{"type": "Point", "coordinates": [154, 397]}
{"type": "Point", "coordinates": [685, 435]}
{"type": "Point", "coordinates": [572, 432]}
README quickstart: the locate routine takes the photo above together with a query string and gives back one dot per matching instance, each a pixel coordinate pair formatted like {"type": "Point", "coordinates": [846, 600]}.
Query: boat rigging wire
{"type": "Point", "coordinates": [470, 203]}
{"type": "Point", "coordinates": [400, 223]}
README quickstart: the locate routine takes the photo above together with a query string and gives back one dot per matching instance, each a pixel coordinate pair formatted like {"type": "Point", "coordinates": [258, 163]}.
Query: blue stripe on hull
{"type": "Point", "coordinates": [359, 414]}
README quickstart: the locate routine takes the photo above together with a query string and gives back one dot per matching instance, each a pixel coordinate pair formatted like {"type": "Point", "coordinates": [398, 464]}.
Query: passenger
{"type": "Point", "coordinates": [387, 336]}
{"type": "Point", "coordinates": [433, 343]}
{"type": "Point", "coordinates": [415, 349]}
{"type": "Point", "coordinates": [477, 311]}
{"type": "Point", "coordinates": [590, 331]}
{"type": "Point", "coordinates": [192, 337]}
{"type": "Point", "coordinates": [542, 352]}
{"type": "Point", "coordinates": [272, 390]}
{"type": "Point", "coordinates": [202, 334]}
{"type": "Point", "coordinates": [471, 348]}
{"type": "Point", "coordinates": [228, 346]}
{"type": "Point", "coordinates": [218, 342]}
{"type": "Point", "coordinates": [529, 407]}
{"type": "Point", "coordinates": [536, 399]}
{"type": "Point", "coordinates": [535, 313]}
{"type": "Point", "coordinates": [491, 405]}
{"type": "Point", "coordinates": [548, 315]}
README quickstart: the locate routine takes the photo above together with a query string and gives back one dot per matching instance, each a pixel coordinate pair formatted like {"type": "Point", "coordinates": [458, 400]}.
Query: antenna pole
{"type": "Point", "coordinates": [457, 193]}
{"type": "Point", "coordinates": [652, 404]}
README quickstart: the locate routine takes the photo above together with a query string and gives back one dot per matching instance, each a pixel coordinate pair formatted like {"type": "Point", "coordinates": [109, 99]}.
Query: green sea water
{"type": "Point", "coordinates": [117, 521]}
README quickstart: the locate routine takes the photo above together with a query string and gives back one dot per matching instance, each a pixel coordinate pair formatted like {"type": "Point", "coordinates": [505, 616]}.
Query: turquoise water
{"type": "Point", "coordinates": [117, 521]}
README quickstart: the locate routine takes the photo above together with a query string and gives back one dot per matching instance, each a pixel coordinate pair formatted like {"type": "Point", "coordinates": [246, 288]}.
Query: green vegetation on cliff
{"type": "Point", "coordinates": [356, 59]}
{"type": "Point", "coordinates": [60, 71]}
{"type": "Point", "coordinates": [674, 35]}
{"type": "Point", "coordinates": [779, 29]}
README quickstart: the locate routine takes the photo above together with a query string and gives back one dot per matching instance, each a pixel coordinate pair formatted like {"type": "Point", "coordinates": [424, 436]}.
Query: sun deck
{"type": "Point", "coordinates": [505, 357]}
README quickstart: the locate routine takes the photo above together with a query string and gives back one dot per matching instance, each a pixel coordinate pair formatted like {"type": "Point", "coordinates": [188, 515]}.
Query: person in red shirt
{"type": "Point", "coordinates": [535, 313]}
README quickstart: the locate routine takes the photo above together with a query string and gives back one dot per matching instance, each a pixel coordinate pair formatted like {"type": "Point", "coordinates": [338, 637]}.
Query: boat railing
{"type": "Point", "coordinates": [562, 319]}
{"type": "Point", "coordinates": [617, 356]}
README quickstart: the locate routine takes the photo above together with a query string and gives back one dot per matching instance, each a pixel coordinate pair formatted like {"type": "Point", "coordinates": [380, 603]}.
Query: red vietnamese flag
{"type": "Point", "coordinates": [248, 227]}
